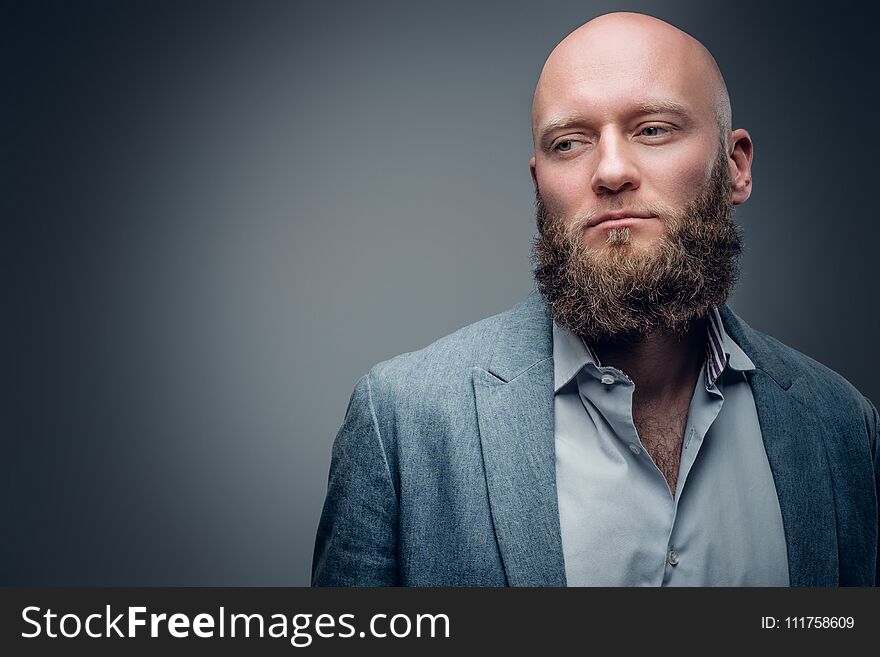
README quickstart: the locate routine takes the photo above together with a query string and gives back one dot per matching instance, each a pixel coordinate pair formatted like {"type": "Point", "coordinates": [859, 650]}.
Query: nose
{"type": "Point", "coordinates": [616, 171]}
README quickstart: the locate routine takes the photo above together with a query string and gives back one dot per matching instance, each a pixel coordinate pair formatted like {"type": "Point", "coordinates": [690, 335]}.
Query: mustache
{"type": "Point", "coordinates": [578, 222]}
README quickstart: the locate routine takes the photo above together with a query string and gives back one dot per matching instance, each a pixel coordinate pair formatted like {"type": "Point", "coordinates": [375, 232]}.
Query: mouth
{"type": "Point", "coordinates": [619, 219]}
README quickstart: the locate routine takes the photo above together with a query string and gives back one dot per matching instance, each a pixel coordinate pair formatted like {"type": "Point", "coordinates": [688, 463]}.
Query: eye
{"type": "Point", "coordinates": [564, 146]}
{"type": "Point", "coordinates": [653, 131]}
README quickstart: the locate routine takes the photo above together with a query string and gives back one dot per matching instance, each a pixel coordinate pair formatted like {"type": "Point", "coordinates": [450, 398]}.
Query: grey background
{"type": "Point", "coordinates": [218, 216]}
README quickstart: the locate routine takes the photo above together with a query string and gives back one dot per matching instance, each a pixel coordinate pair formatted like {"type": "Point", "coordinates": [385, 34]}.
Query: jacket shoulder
{"type": "Point", "coordinates": [449, 357]}
{"type": "Point", "coordinates": [802, 365]}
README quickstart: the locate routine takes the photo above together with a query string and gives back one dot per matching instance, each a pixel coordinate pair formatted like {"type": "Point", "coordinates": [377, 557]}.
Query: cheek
{"type": "Point", "coordinates": [563, 190]}
{"type": "Point", "coordinates": [676, 182]}
{"type": "Point", "coordinates": [684, 167]}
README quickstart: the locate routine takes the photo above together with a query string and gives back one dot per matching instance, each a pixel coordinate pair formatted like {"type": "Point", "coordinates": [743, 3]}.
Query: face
{"type": "Point", "coordinates": [622, 134]}
{"type": "Point", "coordinates": [635, 185]}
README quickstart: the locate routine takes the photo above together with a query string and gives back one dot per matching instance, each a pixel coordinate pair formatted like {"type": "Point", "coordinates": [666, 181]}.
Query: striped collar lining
{"type": "Point", "coordinates": [716, 355]}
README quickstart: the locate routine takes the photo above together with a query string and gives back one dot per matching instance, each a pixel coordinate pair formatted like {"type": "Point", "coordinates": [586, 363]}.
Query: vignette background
{"type": "Point", "coordinates": [218, 216]}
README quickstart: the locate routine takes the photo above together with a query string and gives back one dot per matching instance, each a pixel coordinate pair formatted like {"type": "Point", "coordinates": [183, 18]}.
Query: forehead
{"type": "Point", "coordinates": [610, 74]}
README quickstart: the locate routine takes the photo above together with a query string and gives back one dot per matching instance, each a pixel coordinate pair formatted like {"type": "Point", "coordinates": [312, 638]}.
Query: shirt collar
{"type": "Point", "coordinates": [571, 354]}
{"type": "Point", "coordinates": [721, 351]}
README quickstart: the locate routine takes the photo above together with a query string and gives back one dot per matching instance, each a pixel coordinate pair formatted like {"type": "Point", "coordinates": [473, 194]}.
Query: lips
{"type": "Point", "coordinates": [617, 217]}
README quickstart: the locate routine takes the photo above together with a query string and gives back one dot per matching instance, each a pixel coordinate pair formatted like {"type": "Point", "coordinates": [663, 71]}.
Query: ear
{"type": "Point", "coordinates": [532, 170]}
{"type": "Point", "coordinates": [739, 151]}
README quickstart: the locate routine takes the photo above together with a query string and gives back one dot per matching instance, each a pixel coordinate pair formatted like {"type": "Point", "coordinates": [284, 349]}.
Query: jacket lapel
{"type": "Point", "coordinates": [514, 402]}
{"type": "Point", "coordinates": [795, 445]}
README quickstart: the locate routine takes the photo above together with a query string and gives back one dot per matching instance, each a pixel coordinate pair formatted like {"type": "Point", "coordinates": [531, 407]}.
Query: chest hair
{"type": "Point", "coordinates": [661, 431]}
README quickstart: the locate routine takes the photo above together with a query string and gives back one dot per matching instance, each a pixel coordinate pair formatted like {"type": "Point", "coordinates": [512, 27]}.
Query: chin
{"type": "Point", "coordinates": [624, 239]}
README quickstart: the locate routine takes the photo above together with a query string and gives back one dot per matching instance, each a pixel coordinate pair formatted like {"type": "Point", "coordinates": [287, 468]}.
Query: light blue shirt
{"type": "Point", "coordinates": [620, 525]}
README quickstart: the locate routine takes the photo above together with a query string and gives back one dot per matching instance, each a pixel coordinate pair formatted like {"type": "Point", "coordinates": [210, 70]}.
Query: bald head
{"type": "Point", "coordinates": [627, 53]}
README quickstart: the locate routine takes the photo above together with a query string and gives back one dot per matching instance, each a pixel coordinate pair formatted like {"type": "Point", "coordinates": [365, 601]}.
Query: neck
{"type": "Point", "coordinates": [662, 365]}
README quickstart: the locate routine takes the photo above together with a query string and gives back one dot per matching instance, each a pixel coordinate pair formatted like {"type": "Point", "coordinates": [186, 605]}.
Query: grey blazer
{"type": "Point", "coordinates": [443, 472]}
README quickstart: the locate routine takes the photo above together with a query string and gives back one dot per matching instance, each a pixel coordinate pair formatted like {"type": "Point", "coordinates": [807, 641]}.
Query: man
{"type": "Point", "coordinates": [621, 426]}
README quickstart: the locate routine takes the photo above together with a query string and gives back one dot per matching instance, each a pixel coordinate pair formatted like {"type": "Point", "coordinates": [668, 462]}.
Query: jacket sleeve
{"type": "Point", "coordinates": [356, 543]}
{"type": "Point", "coordinates": [873, 424]}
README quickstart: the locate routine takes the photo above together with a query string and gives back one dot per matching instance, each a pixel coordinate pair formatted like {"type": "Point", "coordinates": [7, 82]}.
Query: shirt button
{"type": "Point", "coordinates": [607, 379]}
{"type": "Point", "coordinates": [635, 449]}
{"type": "Point", "coordinates": [672, 557]}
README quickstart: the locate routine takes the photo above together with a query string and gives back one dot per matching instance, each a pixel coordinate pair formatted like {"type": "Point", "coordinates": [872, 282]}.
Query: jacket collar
{"type": "Point", "coordinates": [756, 348]}
{"type": "Point", "coordinates": [524, 339]}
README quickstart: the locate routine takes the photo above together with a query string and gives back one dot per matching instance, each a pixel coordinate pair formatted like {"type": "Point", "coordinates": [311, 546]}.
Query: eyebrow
{"type": "Point", "coordinates": [663, 107]}
{"type": "Point", "coordinates": [647, 107]}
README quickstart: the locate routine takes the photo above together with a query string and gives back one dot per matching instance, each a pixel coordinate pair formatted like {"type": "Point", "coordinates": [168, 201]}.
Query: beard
{"type": "Point", "coordinates": [622, 291]}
